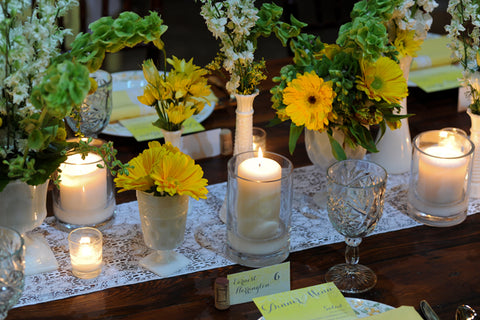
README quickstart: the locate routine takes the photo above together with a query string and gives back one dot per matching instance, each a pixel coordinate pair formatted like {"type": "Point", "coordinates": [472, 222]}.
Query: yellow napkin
{"type": "Point", "coordinates": [402, 313]}
{"type": "Point", "coordinates": [434, 52]}
{"type": "Point", "coordinates": [143, 129]}
{"type": "Point", "coordinates": [124, 107]}
{"type": "Point", "coordinates": [437, 78]}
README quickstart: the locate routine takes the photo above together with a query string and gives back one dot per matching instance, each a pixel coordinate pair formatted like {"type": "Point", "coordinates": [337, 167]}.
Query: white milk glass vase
{"type": "Point", "coordinates": [243, 133]}
{"type": "Point", "coordinates": [174, 137]}
{"type": "Point", "coordinates": [23, 208]}
{"type": "Point", "coordinates": [395, 147]}
{"type": "Point", "coordinates": [163, 226]}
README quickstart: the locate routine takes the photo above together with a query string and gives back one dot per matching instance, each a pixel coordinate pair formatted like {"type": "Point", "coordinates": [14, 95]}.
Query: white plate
{"type": "Point", "coordinates": [364, 308]}
{"type": "Point", "coordinates": [135, 80]}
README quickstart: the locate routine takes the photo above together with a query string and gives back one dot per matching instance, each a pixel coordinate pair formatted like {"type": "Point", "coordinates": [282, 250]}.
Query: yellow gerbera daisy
{"type": "Point", "coordinates": [406, 44]}
{"type": "Point", "coordinates": [179, 174]}
{"type": "Point", "coordinates": [309, 101]}
{"type": "Point", "coordinates": [166, 170]}
{"type": "Point", "coordinates": [383, 79]}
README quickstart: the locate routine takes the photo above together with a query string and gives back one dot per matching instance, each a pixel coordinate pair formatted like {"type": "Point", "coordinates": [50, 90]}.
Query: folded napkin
{"type": "Point", "coordinates": [402, 313]}
{"type": "Point", "coordinates": [433, 52]}
{"type": "Point", "coordinates": [126, 105]}
{"type": "Point", "coordinates": [143, 129]}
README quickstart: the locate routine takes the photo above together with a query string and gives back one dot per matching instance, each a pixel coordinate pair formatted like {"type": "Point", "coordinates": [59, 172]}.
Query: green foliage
{"type": "Point", "coordinates": [38, 145]}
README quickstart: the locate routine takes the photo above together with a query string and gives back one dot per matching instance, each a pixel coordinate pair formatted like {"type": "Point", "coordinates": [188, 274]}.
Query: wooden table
{"type": "Point", "coordinates": [437, 264]}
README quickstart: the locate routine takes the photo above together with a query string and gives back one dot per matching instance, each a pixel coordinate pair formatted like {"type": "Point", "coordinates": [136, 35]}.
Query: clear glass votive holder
{"type": "Point", "coordinates": [259, 208]}
{"type": "Point", "coordinates": [86, 252]}
{"type": "Point", "coordinates": [440, 177]}
{"type": "Point", "coordinates": [85, 195]}
{"type": "Point", "coordinates": [259, 139]}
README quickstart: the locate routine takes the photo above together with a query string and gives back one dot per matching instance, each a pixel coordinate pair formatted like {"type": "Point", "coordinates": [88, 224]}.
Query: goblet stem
{"type": "Point", "coordinates": [352, 253]}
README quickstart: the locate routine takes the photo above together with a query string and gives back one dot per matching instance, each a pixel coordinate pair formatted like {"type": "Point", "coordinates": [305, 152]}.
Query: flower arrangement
{"type": "Point", "coordinates": [164, 170]}
{"type": "Point", "coordinates": [464, 33]}
{"type": "Point", "coordinates": [39, 86]}
{"type": "Point", "coordinates": [177, 95]}
{"type": "Point", "coordinates": [238, 24]}
{"type": "Point", "coordinates": [348, 86]}
{"type": "Point", "coordinates": [409, 25]}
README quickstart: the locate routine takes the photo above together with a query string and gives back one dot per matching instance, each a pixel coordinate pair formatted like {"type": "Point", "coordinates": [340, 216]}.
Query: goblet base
{"type": "Point", "coordinates": [164, 263]}
{"type": "Point", "coordinates": [350, 278]}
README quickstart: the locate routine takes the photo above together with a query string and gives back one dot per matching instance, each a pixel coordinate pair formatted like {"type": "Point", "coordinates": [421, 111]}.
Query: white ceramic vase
{"type": "Point", "coordinates": [163, 225]}
{"type": "Point", "coordinates": [23, 208]}
{"type": "Point", "coordinates": [395, 147]}
{"type": "Point", "coordinates": [174, 137]}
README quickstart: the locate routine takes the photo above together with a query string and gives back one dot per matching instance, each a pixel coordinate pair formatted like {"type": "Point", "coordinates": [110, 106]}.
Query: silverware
{"type": "Point", "coordinates": [428, 311]}
{"type": "Point", "coordinates": [465, 312]}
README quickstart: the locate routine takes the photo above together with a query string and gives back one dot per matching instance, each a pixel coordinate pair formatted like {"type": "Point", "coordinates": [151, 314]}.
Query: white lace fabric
{"type": "Point", "coordinates": [204, 238]}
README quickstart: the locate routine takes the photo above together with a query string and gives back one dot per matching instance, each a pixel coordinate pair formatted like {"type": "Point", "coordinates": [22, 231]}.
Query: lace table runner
{"type": "Point", "coordinates": [204, 238]}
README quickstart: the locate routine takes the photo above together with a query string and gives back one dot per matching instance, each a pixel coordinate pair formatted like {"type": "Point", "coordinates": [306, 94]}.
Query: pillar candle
{"type": "Point", "coordinates": [259, 189]}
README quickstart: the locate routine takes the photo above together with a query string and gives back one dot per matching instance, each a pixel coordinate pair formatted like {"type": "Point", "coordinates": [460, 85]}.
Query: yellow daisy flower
{"type": "Point", "coordinates": [166, 170]}
{"type": "Point", "coordinates": [309, 101]}
{"type": "Point", "coordinates": [179, 174]}
{"type": "Point", "coordinates": [406, 44]}
{"type": "Point", "coordinates": [383, 79]}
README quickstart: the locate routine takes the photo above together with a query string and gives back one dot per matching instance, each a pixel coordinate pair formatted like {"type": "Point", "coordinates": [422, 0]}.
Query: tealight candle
{"type": "Point", "coordinates": [83, 193]}
{"type": "Point", "coordinates": [86, 252]}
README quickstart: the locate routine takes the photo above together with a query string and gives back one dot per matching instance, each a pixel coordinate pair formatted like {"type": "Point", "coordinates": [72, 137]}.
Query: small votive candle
{"type": "Point", "coordinates": [86, 252]}
{"type": "Point", "coordinates": [259, 139]}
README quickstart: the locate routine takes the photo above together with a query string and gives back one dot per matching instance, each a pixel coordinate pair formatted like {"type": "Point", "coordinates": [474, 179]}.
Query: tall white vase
{"type": "Point", "coordinates": [475, 137]}
{"type": "Point", "coordinates": [244, 123]}
{"type": "Point", "coordinates": [174, 137]}
{"type": "Point", "coordinates": [395, 147]}
{"type": "Point", "coordinates": [23, 208]}
{"type": "Point", "coordinates": [243, 133]}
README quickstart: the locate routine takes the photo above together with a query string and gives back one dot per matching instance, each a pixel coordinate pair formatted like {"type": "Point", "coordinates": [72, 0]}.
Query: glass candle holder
{"type": "Point", "coordinates": [259, 208]}
{"type": "Point", "coordinates": [86, 252]}
{"type": "Point", "coordinates": [439, 184]}
{"type": "Point", "coordinates": [85, 195]}
{"type": "Point", "coordinates": [259, 139]}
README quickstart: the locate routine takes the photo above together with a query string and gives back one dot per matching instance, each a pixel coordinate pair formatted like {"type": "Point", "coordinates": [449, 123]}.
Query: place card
{"type": "Point", "coordinates": [318, 302]}
{"type": "Point", "coordinates": [244, 286]}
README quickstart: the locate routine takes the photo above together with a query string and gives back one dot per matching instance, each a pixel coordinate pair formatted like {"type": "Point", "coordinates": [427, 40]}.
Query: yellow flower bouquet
{"type": "Point", "coordinates": [176, 95]}
{"type": "Point", "coordinates": [348, 86]}
{"type": "Point", "coordinates": [163, 170]}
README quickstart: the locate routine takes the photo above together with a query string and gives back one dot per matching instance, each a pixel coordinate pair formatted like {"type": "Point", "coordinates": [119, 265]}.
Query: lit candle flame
{"type": "Point", "coordinates": [260, 156]}
{"type": "Point", "coordinates": [84, 240]}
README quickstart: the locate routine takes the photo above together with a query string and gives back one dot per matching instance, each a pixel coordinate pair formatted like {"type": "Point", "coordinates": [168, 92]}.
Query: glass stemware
{"type": "Point", "coordinates": [96, 109]}
{"type": "Point", "coordinates": [12, 266]}
{"type": "Point", "coordinates": [356, 190]}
